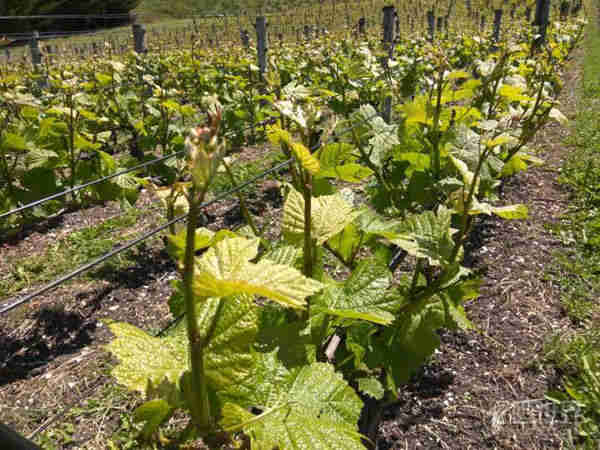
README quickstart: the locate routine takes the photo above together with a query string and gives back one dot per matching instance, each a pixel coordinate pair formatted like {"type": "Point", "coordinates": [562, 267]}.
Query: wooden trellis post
{"type": "Point", "coordinates": [497, 25]}
{"type": "Point", "coordinates": [139, 35]}
{"type": "Point", "coordinates": [564, 10]}
{"type": "Point", "coordinates": [431, 24]}
{"type": "Point", "coordinates": [389, 15]}
{"type": "Point", "coordinates": [245, 37]}
{"type": "Point", "coordinates": [307, 32]}
{"type": "Point", "coordinates": [362, 22]}
{"type": "Point", "coordinates": [542, 16]}
{"type": "Point", "coordinates": [261, 44]}
{"type": "Point", "coordinates": [34, 47]}
{"type": "Point", "coordinates": [36, 58]}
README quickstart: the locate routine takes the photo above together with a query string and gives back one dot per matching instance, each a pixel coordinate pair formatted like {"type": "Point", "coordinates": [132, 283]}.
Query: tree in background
{"type": "Point", "coordinates": [62, 7]}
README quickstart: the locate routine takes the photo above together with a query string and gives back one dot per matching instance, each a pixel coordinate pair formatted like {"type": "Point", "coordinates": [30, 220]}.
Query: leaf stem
{"type": "Point", "coordinates": [308, 245]}
{"type": "Point", "coordinates": [466, 219]}
{"type": "Point", "coordinates": [370, 165]}
{"type": "Point", "coordinates": [415, 279]}
{"type": "Point", "coordinates": [435, 144]}
{"type": "Point", "coordinates": [242, 200]}
{"type": "Point", "coordinates": [338, 255]}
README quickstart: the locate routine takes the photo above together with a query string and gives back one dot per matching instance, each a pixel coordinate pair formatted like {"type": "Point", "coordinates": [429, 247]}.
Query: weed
{"type": "Point", "coordinates": [577, 356]}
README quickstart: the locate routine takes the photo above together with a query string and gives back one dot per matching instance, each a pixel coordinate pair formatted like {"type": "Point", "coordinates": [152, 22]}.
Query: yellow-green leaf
{"type": "Point", "coordinates": [500, 140]}
{"type": "Point", "coordinates": [416, 111]}
{"type": "Point", "coordinates": [464, 172]}
{"type": "Point", "coordinates": [363, 296]}
{"type": "Point", "coordinates": [511, 212]}
{"type": "Point", "coordinates": [457, 74]}
{"type": "Point", "coordinates": [277, 135]}
{"type": "Point", "coordinates": [154, 365]}
{"type": "Point", "coordinates": [558, 116]}
{"type": "Point", "coordinates": [311, 407]}
{"type": "Point", "coordinates": [225, 270]}
{"type": "Point", "coordinates": [512, 93]}
{"type": "Point", "coordinates": [427, 235]}
{"type": "Point", "coordinates": [329, 215]}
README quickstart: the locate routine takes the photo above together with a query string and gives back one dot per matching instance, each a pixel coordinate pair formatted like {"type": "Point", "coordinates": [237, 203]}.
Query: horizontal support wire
{"type": "Point", "coordinates": [109, 177]}
{"type": "Point", "coordinates": [27, 298]}
{"type": "Point", "coordinates": [65, 33]}
{"type": "Point", "coordinates": [134, 242]}
{"type": "Point", "coordinates": [91, 183]}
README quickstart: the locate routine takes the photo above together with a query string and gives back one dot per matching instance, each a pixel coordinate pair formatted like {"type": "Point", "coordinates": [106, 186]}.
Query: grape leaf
{"type": "Point", "coordinates": [284, 254]}
{"type": "Point", "coordinates": [335, 154]}
{"type": "Point", "coordinates": [362, 296]}
{"type": "Point", "coordinates": [427, 235]}
{"type": "Point", "coordinates": [278, 135]}
{"type": "Point", "coordinates": [154, 365]}
{"type": "Point", "coordinates": [308, 407]}
{"type": "Point", "coordinates": [402, 349]}
{"type": "Point", "coordinates": [329, 215]}
{"type": "Point", "coordinates": [517, 211]}
{"type": "Point", "coordinates": [153, 413]}
{"type": "Point", "coordinates": [372, 387]}
{"type": "Point", "coordinates": [225, 270]}
{"type": "Point", "coordinates": [351, 173]}
{"type": "Point", "coordinates": [347, 242]}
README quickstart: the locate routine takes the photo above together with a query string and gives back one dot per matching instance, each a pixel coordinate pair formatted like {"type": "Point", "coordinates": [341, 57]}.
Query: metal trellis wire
{"type": "Point", "coordinates": [84, 268]}
{"type": "Point", "coordinates": [27, 298]}
{"type": "Point", "coordinates": [111, 176]}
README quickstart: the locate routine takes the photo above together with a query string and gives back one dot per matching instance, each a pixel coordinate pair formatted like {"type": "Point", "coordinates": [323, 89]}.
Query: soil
{"type": "Point", "coordinates": [467, 397]}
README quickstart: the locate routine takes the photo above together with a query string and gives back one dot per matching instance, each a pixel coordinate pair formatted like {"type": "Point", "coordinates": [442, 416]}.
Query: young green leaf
{"type": "Point", "coordinates": [153, 413]}
{"type": "Point", "coordinates": [372, 387]}
{"type": "Point", "coordinates": [204, 238]}
{"type": "Point", "coordinates": [427, 235]}
{"type": "Point", "coordinates": [330, 215]}
{"type": "Point", "coordinates": [347, 242]}
{"type": "Point", "coordinates": [511, 211]}
{"type": "Point", "coordinates": [351, 173]}
{"type": "Point", "coordinates": [363, 296]}
{"type": "Point", "coordinates": [147, 361]}
{"type": "Point", "coordinates": [225, 269]}
{"type": "Point", "coordinates": [310, 407]}
{"type": "Point", "coordinates": [277, 135]}
{"type": "Point", "coordinates": [154, 366]}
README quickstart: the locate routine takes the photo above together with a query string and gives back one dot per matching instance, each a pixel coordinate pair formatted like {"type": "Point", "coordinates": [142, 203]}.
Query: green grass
{"type": "Point", "coordinates": [243, 172]}
{"type": "Point", "coordinates": [109, 402]}
{"type": "Point", "coordinates": [70, 252]}
{"type": "Point", "coordinates": [577, 355]}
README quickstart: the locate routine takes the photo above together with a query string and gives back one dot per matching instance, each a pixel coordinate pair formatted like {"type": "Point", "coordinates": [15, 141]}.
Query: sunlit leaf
{"type": "Point", "coordinates": [225, 269]}
{"type": "Point", "coordinates": [329, 215]}
{"type": "Point", "coordinates": [310, 407]}
{"type": "Point", "coordinates": [362, 296]}
{"type": "Point", "coordinates": [277, 135]}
